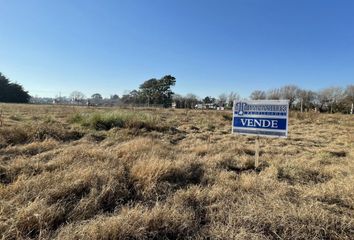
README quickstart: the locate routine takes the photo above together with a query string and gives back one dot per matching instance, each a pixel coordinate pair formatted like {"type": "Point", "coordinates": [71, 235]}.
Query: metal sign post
{"type": "Point", "coordinates": [268, 118]}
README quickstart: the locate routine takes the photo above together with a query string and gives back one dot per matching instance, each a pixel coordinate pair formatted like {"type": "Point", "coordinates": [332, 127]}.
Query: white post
{"type": "Point", "coordinates": [256, 162]}
{"type": "Point", "coordinates": [352, 110]}
{"type": "Point", "coordinates": [1, 118]}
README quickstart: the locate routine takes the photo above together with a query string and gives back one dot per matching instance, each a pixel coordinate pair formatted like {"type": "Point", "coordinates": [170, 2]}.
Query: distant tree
{"type": "Point", "coordinates": [258, 95]}
{"type": "Point", "coordinates": [114, 97]}
{"type": "Point", "coordinates": [289, 92]}
{"type": "Point", "coordinates": [222, 99]}
{"type": "Point", "coordinates": [12, 92]}
{"type": "Point", "coordinates": [77, 96]}
{"type": "Point", "coordinates": [179, 100]}
{"type": "Point", "coordinates": [158, 91]}
{"type": "Point", "coordinates": [330, 99]}
{"type": "Point", "coordinates": [322, 99]}
{"type": "Point", "coordinates": [125, 98]}
{"type": "Point", "coordinates": [306, 99]}
{"type": "Point", "coordinates": [232, 97]}
{"type": "Point", "coordinates": [335, 96]}
{"type": "Point", "coordinates": [149, 90]}
{"type": "Point", "coordinates": [191, 100]}
{"type": "Point", "coordinates": [96, 96]}
{"type": "Point", "coordinates": [133, 97]}
{"type": "Point", "coordinates": [337, 99]}
{"type": "Point", "coordinates": [349, 97]}
{"type": "Point", "coordinates": [274, 94]}
{"type": "Point", "coordinates": [208, 99]}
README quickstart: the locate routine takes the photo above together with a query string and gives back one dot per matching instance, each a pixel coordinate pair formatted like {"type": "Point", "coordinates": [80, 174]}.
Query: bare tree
{"type": "Point", "coordinates": [329, 98]}
{"type": "Point", "coordinates": [274, 94]}
{"type": "Point", "coordinates": [232, 96]}
{"type": "Point", "coordinates": [191, 100]}
{"type": "Point", "coordinates": [349, 97]}
{"type": "Point", "coordinates": [337, 96]}
{"type": "Point", "coordinates": [322, 98]}
{"type": "Point", "coordinates": [222, 99]}
{"type": "Point", "coordinates": [179, 100]}
{"type": "Point", "coordinates": [258, 95]}
{"type": "Point", "coordinates": [289, 92]}
{"type": "Point", "coordinates": [77, 96]}
{"type": "Point", "coordinates": [306, 98]}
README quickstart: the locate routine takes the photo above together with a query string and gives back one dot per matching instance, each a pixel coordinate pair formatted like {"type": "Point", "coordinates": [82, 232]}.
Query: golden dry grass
{"type": "Point", "coordinates": [171, 174]}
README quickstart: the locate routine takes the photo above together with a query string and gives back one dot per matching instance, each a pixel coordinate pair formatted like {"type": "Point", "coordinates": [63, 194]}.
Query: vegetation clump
{"type": "Point", "coordinates": [37, 132]}
{"type": "Point", "coordinates": [107, 121]}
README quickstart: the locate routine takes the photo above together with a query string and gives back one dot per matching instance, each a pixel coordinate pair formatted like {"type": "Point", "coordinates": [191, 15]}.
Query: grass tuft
{"type": "Point", "coordinates": [227, 116]}
{"type": "Point", "coordinates": [107, 121]}
{"type": "Point", "coordinates": [302, 175]}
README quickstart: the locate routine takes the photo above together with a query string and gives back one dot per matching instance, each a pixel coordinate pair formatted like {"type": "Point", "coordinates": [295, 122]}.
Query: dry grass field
{"type": "Point", "coordinates": [85, 173]}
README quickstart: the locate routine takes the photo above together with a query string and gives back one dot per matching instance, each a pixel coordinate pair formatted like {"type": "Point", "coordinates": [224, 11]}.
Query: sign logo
{"type": "Point", "coordinates": [261, 118]}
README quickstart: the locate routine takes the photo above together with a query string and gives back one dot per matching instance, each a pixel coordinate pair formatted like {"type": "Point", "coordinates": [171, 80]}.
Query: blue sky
{"type": "Point", "coordinates": [211, 47]}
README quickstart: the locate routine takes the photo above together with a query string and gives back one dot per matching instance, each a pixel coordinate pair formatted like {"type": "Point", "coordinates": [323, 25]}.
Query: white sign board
{"type": "Point", "coordinates": [261, 118]}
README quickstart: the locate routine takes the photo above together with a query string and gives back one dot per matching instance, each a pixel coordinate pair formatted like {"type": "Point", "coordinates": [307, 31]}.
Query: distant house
{"type": "Point", "coordinates": [206, 106]}
{"type": "Point", "coordinates": [38, 100]}
{"type": "Point", "coordinates": [61, 100]}
{"type": "Point", "coordinates": [81, 102]}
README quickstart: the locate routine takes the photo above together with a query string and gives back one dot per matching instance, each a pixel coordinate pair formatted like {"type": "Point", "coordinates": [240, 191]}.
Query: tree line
{"type": "Point", "coordinates": [332, 99]}
{"type": "Point", "coordinates": [158, 92]}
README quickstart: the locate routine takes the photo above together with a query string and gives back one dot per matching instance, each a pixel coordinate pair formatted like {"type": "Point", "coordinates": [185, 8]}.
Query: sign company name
{"type": "Point", "coordinates": [261, 118]}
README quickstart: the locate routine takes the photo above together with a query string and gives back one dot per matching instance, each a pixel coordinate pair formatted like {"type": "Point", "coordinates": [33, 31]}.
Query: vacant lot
{"type": "Point", "coordinates": [85, 173]}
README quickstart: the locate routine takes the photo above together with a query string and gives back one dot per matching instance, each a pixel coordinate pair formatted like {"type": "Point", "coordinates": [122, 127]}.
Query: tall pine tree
{"type": "Point", "coordinates": [158, 91]}
{"type": "Point", "coordinates": [12, 92]}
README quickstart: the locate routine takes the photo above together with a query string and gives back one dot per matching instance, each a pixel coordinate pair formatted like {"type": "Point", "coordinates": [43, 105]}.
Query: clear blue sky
{"type": "Point", "coordinates": [211, 47]}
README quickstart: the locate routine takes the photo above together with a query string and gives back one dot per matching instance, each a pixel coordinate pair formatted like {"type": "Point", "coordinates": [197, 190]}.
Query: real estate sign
{"type": "Point", "coordinates": [261, 118]}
